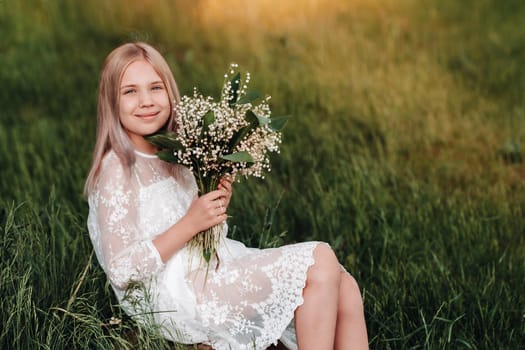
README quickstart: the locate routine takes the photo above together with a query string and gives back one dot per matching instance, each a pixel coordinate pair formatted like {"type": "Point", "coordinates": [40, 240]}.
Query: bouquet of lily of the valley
{"type": "Point", "coordinates": [232, 136]}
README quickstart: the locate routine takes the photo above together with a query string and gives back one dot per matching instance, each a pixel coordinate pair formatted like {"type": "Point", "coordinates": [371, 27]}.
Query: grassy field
{"type": "Point", "coordinates": [405, 153]}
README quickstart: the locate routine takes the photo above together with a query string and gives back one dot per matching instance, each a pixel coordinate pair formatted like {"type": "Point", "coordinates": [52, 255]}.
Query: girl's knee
{"type": "Point", "coordinates": [326, 268]}
{"type": "Point", "coordinates": [324, 254]}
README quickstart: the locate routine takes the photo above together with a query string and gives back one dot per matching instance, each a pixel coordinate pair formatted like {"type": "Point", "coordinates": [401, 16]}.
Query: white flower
{"type": "Point", "coordinates": [206, 144]}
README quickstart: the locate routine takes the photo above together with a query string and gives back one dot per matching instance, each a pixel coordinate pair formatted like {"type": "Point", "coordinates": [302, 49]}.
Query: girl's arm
{"type": "Point", "coordinates": [125, 255]}
{"type": "Point", "coordinates": [123, 252]}
{"type": "Point", "coordinates": [204, 212]}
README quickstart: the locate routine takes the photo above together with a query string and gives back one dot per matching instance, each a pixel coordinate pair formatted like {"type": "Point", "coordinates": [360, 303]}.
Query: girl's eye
{"type": "Point", "coordinates": [128, 91]}
{"type": "Point", "coordinates": [157, 87]}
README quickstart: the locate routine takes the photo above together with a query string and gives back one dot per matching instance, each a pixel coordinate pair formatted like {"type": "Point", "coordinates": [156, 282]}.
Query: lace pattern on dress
{"type": "Point", "coordinates": [123, 218]}
{"type": "Point", "coordinates": [250, 301]}
{"type": "Point", "coordinates": [247, 303]}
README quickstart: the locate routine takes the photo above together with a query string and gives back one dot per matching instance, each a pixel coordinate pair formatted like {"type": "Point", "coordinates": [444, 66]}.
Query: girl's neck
{"type": "Point", "coordinates": [141, 145]}
{"type": "Point", "coordinates": [144, 154]}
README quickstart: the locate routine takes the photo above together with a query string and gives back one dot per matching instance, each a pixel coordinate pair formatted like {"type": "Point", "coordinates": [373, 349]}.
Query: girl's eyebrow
{"type": "Point", "coordinates": [134, 85]}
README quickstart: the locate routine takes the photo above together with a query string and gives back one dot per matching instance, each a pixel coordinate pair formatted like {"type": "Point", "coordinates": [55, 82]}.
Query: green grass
{"type": "Point", "coordinates": [405, 153]}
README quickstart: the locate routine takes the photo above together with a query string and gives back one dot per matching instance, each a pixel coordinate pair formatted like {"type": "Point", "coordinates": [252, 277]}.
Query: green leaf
{"type": "Point", "coordinates": [239, 157]}
{"type": "Point", "coordinates": [278, 123]}
{"type": "Point", "coordinates": [207, 120]}
{"type": "Point", "coordinates": [261, 119]}
{"type": "Point", "coordinates": [168, 140]}
{"type": "Point", "coordinates": [234, 92]}
{"type": "Point", "coordinates": [238, 136]}
{"type": "Point", "coordinates": [206, 254]}
{"type": "Point", "coordinates": [167, 156]}
{"type": "Point", "coordinates": [251, 118]}
{"type": "Point", "coordinates": [253, 121]}
{"type": "Point", "coordinates": [249, 97]}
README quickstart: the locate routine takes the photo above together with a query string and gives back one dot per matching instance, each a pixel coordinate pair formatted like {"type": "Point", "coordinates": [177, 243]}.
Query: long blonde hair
{"type": "Point", "coordinates": [110, 134]}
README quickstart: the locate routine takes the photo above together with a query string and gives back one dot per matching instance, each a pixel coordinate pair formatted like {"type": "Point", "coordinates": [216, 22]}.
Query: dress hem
{"type": "Point", "coordinates": [263, 341]}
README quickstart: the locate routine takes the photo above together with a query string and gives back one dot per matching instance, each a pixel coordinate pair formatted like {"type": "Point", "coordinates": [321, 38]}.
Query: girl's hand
{"type": "Point", "coordinates": [208, 210]}
{"type": "Point", "coordinates": [225, 184]}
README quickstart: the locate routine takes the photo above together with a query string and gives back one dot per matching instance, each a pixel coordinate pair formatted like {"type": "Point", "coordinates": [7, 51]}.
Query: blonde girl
{"type": "Point", "coordinates": [142, 212]}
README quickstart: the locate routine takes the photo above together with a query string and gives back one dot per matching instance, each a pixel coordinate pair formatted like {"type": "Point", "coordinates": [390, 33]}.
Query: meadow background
{"type": "Point", "coordinates": [405, 153]}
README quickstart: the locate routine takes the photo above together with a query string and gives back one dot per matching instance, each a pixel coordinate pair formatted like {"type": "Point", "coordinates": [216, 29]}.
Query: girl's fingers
{"type": "Point", "coordinates": [225, 187]}
{"type": "Point", "coordinates": [216, 199]}
{"type": "Point", "coordinates": [221, 210]}
{"type": "Point", "coordinates": [226, 182]}
{"type": "Point", "coordinates": [220, 203]}
{"type": "Point", "coordinates": [216, 204]}
{"type": "Point", "coordinates": [213, 195]}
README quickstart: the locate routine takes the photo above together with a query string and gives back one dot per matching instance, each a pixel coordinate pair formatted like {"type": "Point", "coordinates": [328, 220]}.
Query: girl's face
{"type": "Point", "coordinates": [144, 105]}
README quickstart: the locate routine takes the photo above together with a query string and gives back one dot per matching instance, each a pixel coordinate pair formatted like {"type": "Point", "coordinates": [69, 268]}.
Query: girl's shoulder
{"type": "Point", "coordinates": [111, 159]}
{"type": "Point", "coordinates": [111, 162]}
{"type": "Point", "coordinates": [112, 176]}
{"type": "Point", "coordinates": [111, 168]}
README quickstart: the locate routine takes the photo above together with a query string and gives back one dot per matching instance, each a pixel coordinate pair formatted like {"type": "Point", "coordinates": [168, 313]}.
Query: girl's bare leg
{"type": "Point", "coordinates": [351, 327]}
{"type": "Point", "coordinates": [316, 318]}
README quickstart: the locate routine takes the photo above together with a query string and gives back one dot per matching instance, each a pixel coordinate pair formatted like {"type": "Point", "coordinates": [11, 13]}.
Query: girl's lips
{"type": "Point", "coordinates": [147, 115]}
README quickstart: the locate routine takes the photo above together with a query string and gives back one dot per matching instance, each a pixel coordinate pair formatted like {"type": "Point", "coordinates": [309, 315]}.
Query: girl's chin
{"type": "Point", "coordinates": [151, 128]}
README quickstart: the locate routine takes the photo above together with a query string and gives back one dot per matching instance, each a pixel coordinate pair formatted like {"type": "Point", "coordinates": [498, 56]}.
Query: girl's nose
{"type": "Point", "coordinates": [145, 99]}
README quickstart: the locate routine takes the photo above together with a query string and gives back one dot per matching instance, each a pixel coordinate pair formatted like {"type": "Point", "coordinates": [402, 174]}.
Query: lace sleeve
{"type": "Point", "coordinates": [126, 254]}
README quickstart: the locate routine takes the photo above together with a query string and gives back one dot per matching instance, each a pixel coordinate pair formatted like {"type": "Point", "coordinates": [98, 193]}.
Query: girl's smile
{"type": "Point", "coordinates": [150, 115]}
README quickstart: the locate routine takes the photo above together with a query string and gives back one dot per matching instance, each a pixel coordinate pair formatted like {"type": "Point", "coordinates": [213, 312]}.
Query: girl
{"type": "Point", "coordinates": [142, 211]}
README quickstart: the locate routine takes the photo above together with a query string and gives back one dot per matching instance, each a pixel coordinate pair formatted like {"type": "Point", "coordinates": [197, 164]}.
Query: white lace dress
{"type": "Point", "coordinates": [247, 303]}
